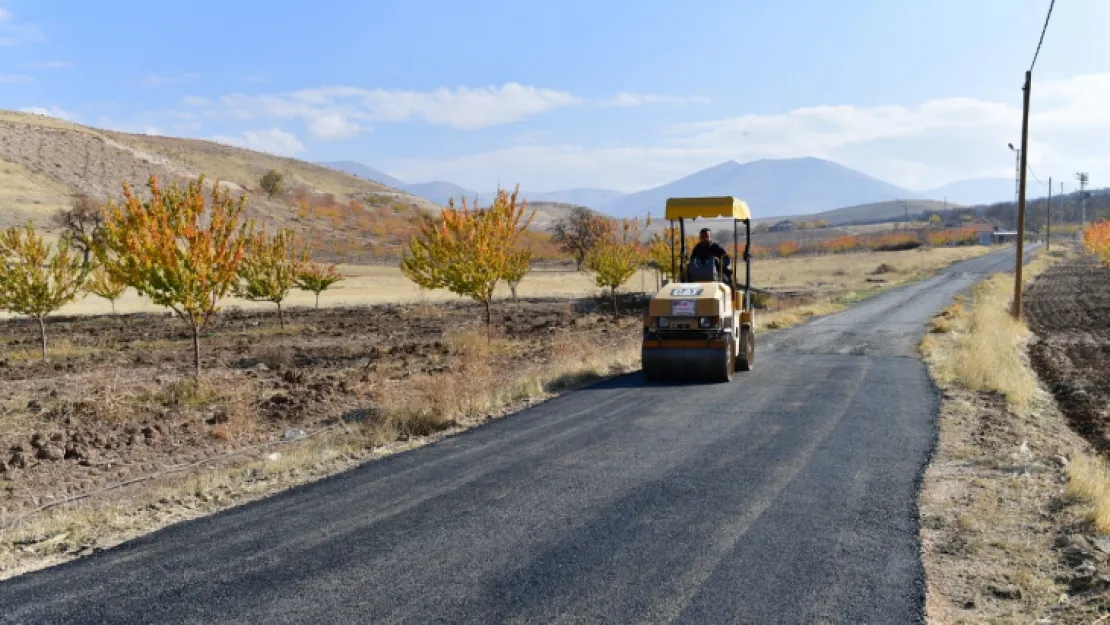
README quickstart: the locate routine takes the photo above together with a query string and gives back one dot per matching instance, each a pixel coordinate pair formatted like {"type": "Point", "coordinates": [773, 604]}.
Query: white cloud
{"type": "Point", "coordinates": [918, 147]}
{"type": "Point", "coordinates": [625, 99]}
{"type": "Point", "coordinates": [338, 112]}
{"type": "Point", "coordinates": [331, 126]}
{"type": "Point", "coordinates": [196, 100]}
{"type": "Point", "coordinates": [274, 141]}
{"type": "Point", "coordinates": [14, 32]}
{"type": "Point", "coordinates": [52, 111]}
{"type": "Point", "coordinates": [14, 78]}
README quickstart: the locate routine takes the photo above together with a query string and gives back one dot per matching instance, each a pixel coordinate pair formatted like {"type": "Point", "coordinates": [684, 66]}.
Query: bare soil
{"type": "Point", "coordinates": [115, 400]}
{"type": "Point", "coordinates": [1068, 308]}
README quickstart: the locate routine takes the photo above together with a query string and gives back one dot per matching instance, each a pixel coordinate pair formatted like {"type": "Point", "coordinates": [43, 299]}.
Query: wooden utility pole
{"type": "Point", "coordinates": [1048, 218]}
{"type": "Point", "coordinates": [1021, 195]}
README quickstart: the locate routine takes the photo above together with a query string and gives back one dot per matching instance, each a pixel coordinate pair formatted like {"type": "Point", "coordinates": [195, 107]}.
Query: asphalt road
{"type": "Point", "coordinates": [786, 496]}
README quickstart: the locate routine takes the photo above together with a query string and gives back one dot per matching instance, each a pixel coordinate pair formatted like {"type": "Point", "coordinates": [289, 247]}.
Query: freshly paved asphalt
{"type": "Point", "coordinates": [786, 496]}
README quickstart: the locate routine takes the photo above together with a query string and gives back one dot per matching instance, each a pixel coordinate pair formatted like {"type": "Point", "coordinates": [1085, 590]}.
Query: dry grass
{"type": "Point", "coordinates": [993, 508]}
{"type": "Point", "coordinates": [1089, 481]}
{"type": "Point", "coordinates": [982, 357]}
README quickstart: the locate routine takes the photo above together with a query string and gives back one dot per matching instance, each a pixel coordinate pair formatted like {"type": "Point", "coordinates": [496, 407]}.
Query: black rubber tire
{"type": "Point", "coordinates": [746, 360]}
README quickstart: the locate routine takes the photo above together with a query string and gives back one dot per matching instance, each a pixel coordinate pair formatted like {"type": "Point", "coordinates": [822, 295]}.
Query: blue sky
{"type": "Point", "coordinates": [622, 94]}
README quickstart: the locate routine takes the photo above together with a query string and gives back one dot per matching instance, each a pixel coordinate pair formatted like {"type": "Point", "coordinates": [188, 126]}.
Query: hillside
{"type": "Point", "coordinates": [771, 187]}
{"type": "Point", "coordinates": [440, 191]}
{"type": "Point", "coordinates": [45, 162]}
{"type": "Point", "coordinates": [870, 213]}
{"type": "Point", "coordinates": [976, 191]}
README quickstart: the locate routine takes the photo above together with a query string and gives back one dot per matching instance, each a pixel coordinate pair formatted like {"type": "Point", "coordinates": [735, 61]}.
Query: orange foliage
{"type": "Point", "coordinates": [787, 248]}
{"type": "Point", "coordinates": [1096, 238]}
{"type": "Point", "coordinates": [841, 244]}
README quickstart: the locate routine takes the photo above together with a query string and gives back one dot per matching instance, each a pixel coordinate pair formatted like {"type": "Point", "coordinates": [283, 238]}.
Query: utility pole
{"type": "Point", "coordinates": [1021, 195]}
{"type": "Point", "coordinates": [1048, 217]}
{"type": "Point", "coordinates": [1083, 178]}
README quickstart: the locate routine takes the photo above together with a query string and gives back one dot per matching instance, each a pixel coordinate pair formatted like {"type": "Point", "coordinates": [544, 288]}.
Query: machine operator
{"type": "Point", "coordinates": [707, 249]}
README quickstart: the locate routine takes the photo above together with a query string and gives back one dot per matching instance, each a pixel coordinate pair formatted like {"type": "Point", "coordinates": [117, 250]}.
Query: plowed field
{"type": "Point", "coordinates": [1068, 307]}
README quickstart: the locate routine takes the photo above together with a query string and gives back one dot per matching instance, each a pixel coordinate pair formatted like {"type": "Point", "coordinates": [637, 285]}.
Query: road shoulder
{"type": "Point", "coordinates": [1004, 538]}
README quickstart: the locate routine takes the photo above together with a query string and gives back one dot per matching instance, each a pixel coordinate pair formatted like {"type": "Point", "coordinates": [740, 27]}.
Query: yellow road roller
{"type": "Point", "coordinates": [698, 327]}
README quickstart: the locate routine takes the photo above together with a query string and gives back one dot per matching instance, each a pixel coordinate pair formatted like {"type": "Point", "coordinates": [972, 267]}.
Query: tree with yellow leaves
{"type": "Point", "coordinates": [105, 285]}
{"type": "Point", "coordinates": [616, 256]}
{"type": "Point", "coordinates": [271, 267]}
{"type": "Point", "coordinates": [469, 250]}
{"type": "Point", "coordinates": [35, 279]}
{"type": "Point", "coordinates": [317, 278]}
{"type": "Point", "coordinates": [176, 250]}
{"type": "Point", "coordinates": [518, 266]}
{"type": "Point", "coordinates": [659, 252]}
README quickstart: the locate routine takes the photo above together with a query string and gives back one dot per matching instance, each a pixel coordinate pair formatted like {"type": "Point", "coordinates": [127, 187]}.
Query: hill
{"type": "Point", "coordinates": [877, 212]}
{"type": "Point", "coordinates": [975, 191]}
{"type": "Point", "coordinates": [440, 192]}
{"type": "Point", "coordinates": [771, 187]}
{"type": "Point", "coordinates": [46, 162]}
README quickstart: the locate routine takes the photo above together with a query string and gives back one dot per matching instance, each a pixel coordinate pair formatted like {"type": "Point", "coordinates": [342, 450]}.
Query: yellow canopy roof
{"type": "Point", "coordinates": [707, 207]}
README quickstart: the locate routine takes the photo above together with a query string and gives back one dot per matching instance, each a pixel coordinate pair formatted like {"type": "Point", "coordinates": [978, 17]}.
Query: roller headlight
{"type": "Point", "coordinates": [664, 322]}
{"type": "Point", "coordinates": [706, 322]}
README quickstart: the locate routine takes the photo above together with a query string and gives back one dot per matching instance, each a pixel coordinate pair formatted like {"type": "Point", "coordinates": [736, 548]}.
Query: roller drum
{"type": "Point", "coordinates": [687, 363]}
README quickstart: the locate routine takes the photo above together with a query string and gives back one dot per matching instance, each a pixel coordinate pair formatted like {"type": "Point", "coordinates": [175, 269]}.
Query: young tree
{"type": "Point", "coordinates": [468, 251]}
{"type": "Point", "coordinates": [103, 284]}
{"type": "Point", "coordinates": [272, 182]}
{"type": "Point", "coordinates": [83, 222]}
{"type": "Point", "coordinates": [616, 256]}
{"type": "Point", "coordinates": [787, 248]}
{"type": "Point", "coordinates": [518, 266]}
{"type": "Point", "coordinates": [176, 250]}
{"type": "Point", "coordinates": [577, 233]}
{"type": "Point", "coordinates": [35, 282]}
{"type": "Point", "coordinates": [659, 251]}
{"type": "Point", "coordinates": [270, 268]}
{"type": "Point", "coordinates": [317, 278]}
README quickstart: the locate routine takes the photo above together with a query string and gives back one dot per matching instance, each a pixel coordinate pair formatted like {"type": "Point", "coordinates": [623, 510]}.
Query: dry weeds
{"type": "Point", "coordinates": [1004, 536]}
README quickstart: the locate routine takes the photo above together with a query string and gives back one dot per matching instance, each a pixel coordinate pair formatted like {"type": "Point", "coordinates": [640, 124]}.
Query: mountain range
{"type": "Point", "coordinates": [772, 187]}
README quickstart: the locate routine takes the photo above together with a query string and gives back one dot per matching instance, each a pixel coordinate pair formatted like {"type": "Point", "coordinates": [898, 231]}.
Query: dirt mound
{"type": "Point", "coordinates": [884, 268]}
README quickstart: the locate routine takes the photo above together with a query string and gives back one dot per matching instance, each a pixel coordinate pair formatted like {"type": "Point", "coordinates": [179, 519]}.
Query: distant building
{"type": "Point", "coordinates": [784, 226]}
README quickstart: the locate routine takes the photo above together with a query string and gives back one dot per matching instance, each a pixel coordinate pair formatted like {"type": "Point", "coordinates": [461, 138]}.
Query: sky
{"type": "Point", "coordinates": [613, 94]}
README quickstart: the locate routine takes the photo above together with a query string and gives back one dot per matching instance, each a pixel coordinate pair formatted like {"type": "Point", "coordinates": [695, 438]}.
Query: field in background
{"type": "Point", "coordinates": [812, 275]}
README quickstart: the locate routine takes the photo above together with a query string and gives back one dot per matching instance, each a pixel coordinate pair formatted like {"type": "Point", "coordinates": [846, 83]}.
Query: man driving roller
{"type": "Point", "coordinates": [707, 249]}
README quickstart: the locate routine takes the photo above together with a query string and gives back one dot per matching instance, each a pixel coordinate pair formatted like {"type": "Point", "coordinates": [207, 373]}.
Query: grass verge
{"type": "Point", "coordinates": [1005, 518]}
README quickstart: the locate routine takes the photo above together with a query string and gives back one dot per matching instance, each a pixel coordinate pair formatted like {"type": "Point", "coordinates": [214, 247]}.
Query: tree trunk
{"type": "Point", "coordinates": [196, 355]}
{"type": "Point", "coordinates": [578, 263]}
{"type": "Point", "coordinates": [317, 300]}
{"type": "Point", "coordinates": [281, 317]}
{"type": "Point", "coordinates": [614, 291]}
{"type": "Point", "coordinates": [42, 335]}
{"type": "Point", "coordinates": [113, 306]}
{"type": "Point", "coordinates": [512, 289]}
{"type": "Point", "coordinates": [489, 322]}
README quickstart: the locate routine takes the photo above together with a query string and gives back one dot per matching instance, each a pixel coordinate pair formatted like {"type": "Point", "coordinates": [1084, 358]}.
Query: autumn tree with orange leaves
{"type": "Point", "coordinates": [616, 256]}
{"type": "Point", "coordinates": [1096, 238]}
{"type": "Point", "coordinates": [176, 250]}
{"type": "Point", "coordinates": [469, 250]}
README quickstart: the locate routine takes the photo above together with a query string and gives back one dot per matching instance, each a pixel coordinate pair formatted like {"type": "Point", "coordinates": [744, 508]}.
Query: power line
{"type": "Point", "coordinates": [1047, 17]}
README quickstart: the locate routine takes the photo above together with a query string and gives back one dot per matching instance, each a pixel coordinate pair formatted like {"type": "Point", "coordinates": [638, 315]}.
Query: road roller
{"type": "Point", "coordinates": [699, 327]}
